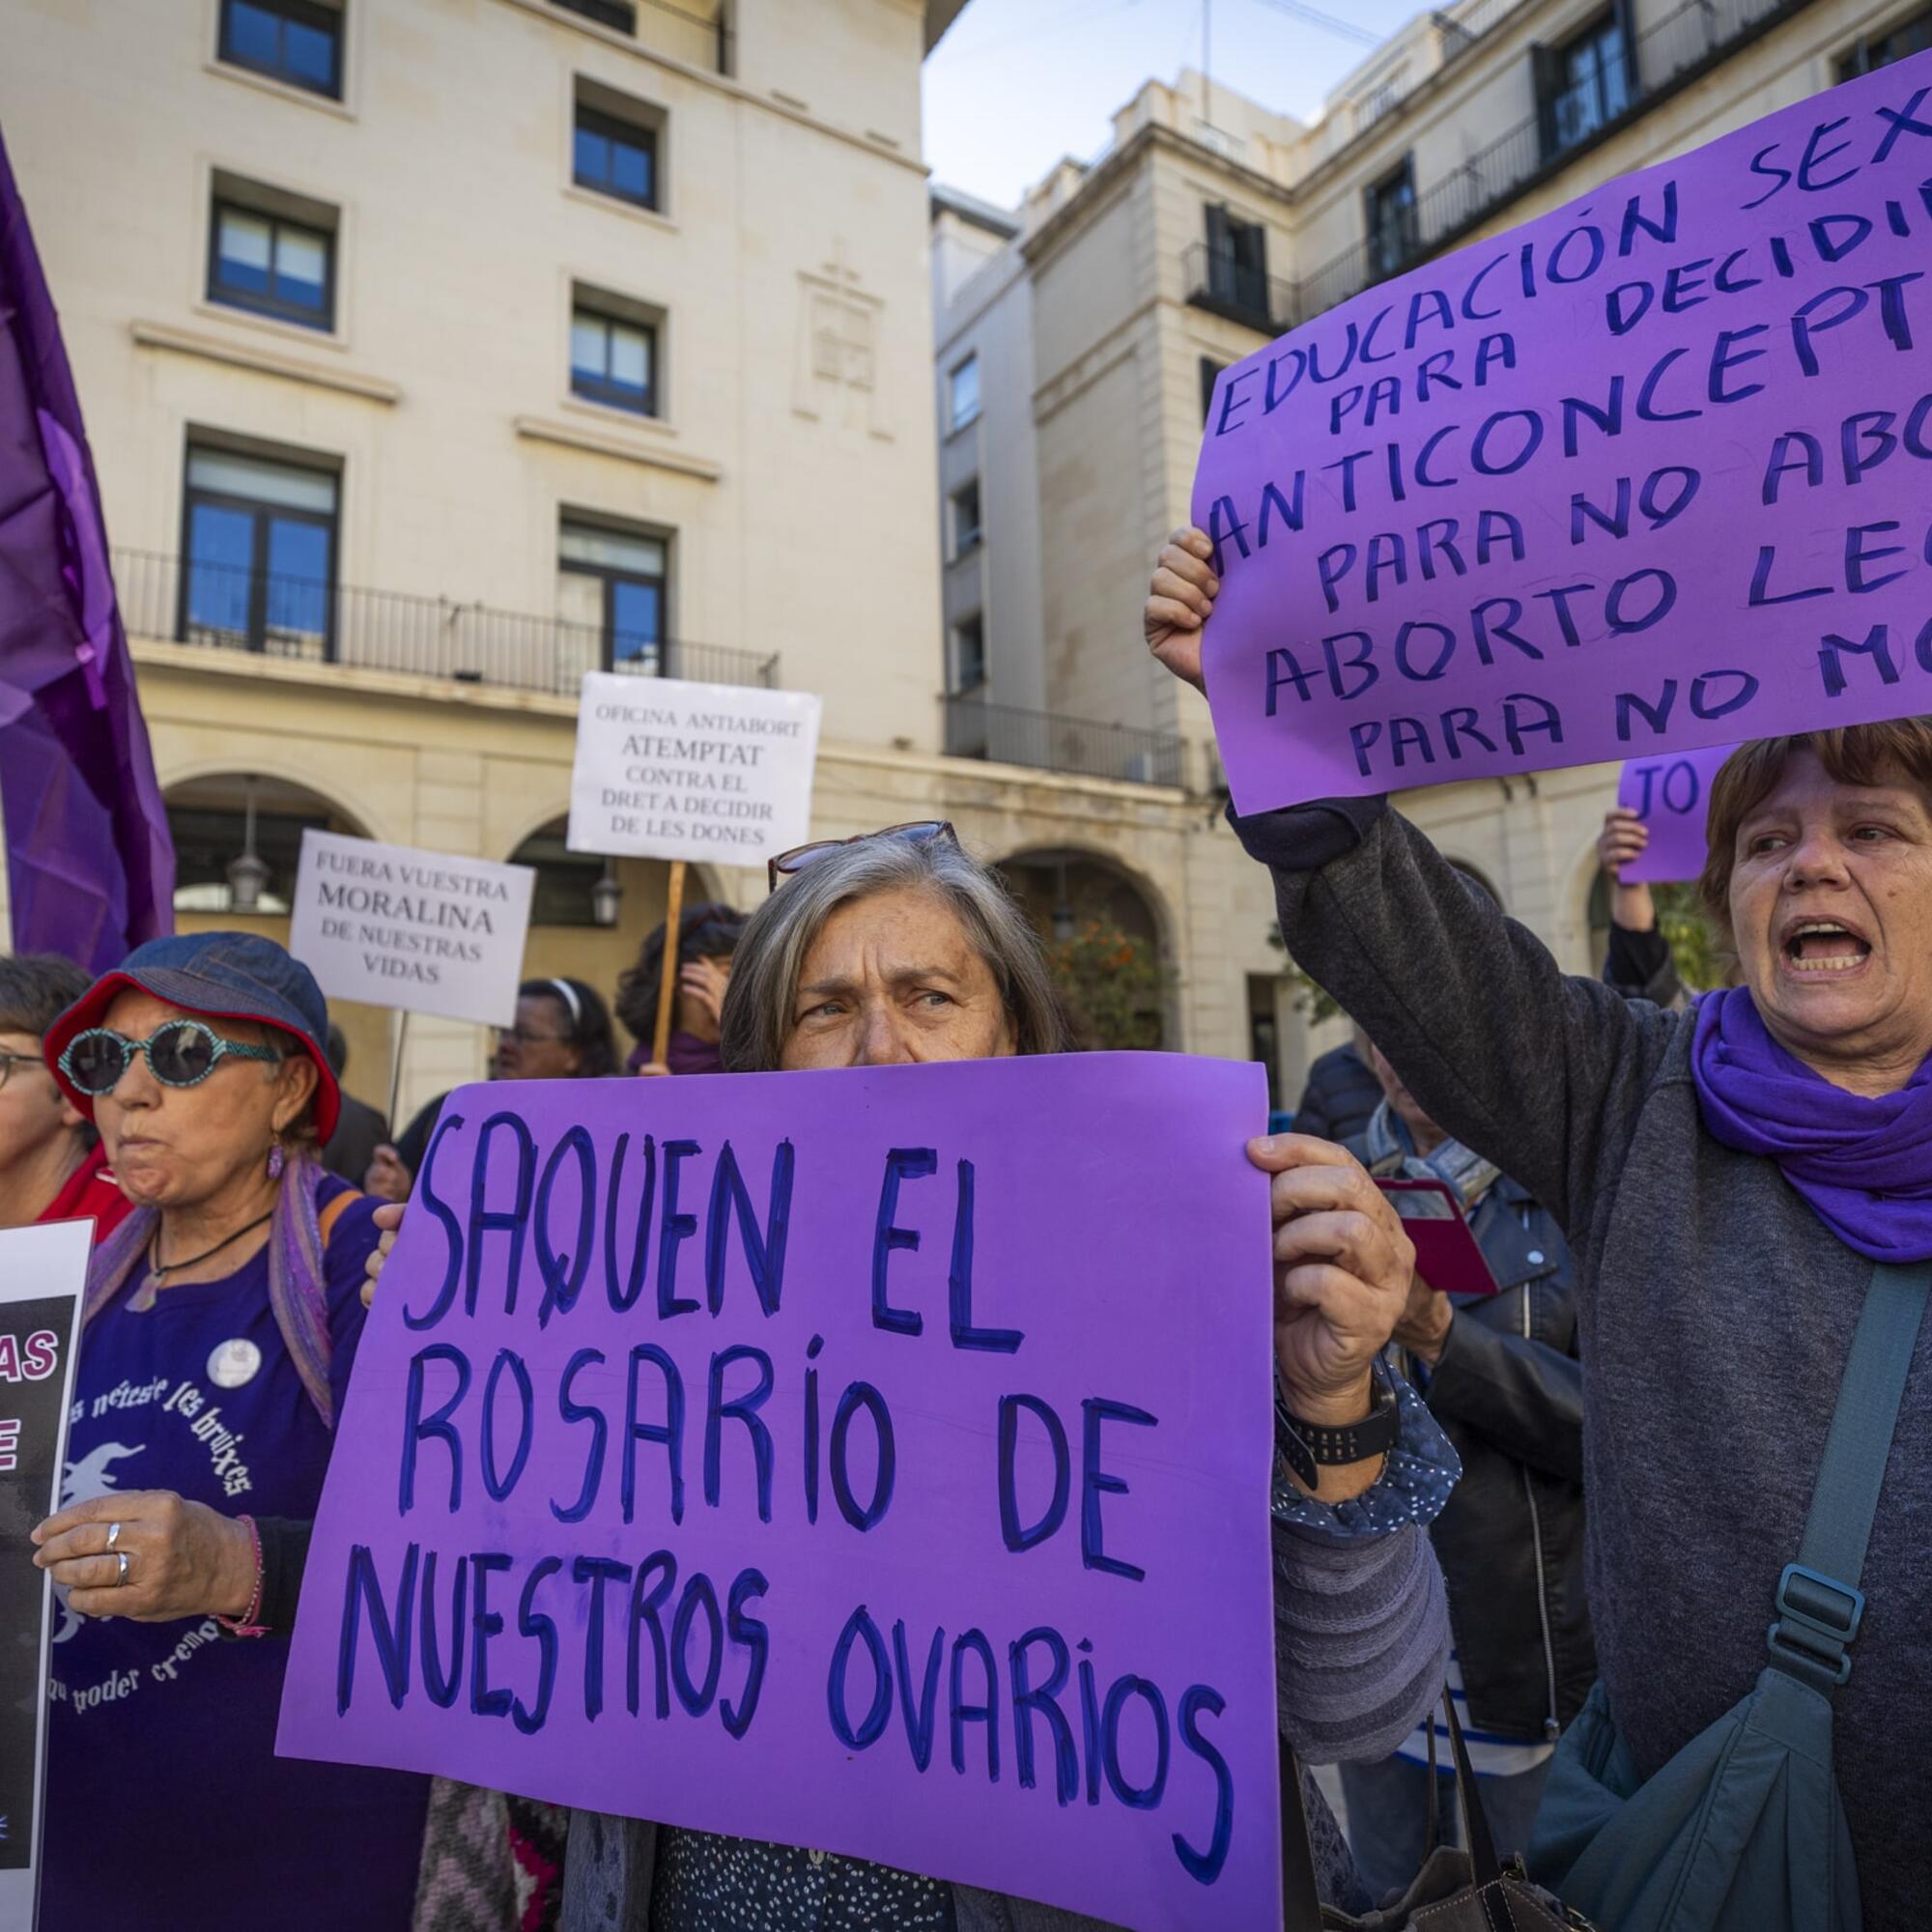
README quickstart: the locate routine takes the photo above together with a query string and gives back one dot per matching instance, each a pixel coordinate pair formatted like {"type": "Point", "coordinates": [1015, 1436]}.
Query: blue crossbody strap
{"type": "Point", "coordinates": [1819, 1603]}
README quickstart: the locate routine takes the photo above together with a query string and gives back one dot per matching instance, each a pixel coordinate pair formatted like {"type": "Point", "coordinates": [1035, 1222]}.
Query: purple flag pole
{"type": "Point", "coordinates": [90, 863]}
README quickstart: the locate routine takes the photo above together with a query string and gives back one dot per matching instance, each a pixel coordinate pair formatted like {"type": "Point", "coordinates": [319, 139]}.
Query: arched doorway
{"type": "Point", "coordinates": [238, 843]}
{"type": "Point", "coordinates": [1106, 940]}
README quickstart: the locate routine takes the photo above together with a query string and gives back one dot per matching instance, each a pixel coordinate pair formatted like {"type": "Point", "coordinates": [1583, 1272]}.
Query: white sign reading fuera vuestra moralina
{"type": "Point", "coordinates": [669, 770]}
{"type": "Point", "coordinates": [424, 931]}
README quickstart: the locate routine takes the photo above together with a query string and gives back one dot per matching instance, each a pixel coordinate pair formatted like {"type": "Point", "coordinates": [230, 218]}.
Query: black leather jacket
{"type": "Point", "coordinates": [1509, 1394]}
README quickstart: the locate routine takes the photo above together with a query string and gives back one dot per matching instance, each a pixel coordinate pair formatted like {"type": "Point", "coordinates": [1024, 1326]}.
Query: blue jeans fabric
{"type": "Point", "coordinates": [1387, 1825]}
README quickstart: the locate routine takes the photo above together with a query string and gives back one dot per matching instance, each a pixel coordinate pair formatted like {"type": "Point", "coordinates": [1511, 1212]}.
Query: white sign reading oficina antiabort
{"type": "Point", "coordinates": [427, 932]}
{"type": "Point", "coordinates": [669, 770]}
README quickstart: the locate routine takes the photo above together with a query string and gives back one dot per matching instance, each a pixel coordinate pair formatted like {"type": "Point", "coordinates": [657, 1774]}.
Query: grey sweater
{"type": "Point", "coordinates": [1715, 1312]}
{"type": "Point", "coordinates": [1361, 1640]}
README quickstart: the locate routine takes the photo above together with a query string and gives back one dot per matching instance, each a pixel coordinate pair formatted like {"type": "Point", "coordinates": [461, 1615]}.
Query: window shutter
{"type": "Point", "coordinates": [1546, 71]}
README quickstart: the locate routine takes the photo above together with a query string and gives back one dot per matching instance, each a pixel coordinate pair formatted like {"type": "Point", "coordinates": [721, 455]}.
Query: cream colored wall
{"type": "Point", "coordinates": [444, 392]}
{"type": "Point", "coordinates": [852, 62]}
{"type": "Point", "coordinates": [988, 314]}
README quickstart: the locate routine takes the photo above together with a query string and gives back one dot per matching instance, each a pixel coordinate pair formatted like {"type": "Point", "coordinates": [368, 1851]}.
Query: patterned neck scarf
{"type": "Point", "coordinates": [1392, 1150]}
{"type": "Point", "coordinates": [295, 1290]}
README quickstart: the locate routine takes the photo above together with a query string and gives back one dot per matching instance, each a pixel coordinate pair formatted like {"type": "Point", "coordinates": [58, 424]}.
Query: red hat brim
{"type": "Point", "coordinates": [90, 1010]}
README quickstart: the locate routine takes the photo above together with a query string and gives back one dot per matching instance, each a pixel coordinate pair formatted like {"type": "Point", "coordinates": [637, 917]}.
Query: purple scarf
{"type": "Point", "coordinates": [1863, 1166]}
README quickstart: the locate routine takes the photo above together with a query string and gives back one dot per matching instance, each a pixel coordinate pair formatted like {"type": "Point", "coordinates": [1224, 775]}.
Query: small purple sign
{"type": "Point", "coordinates": [874, 1460]}
{"type": "Point", "coordinates": [1672, 795]}
{"type": "Point", "coordinates": [1648, 473]}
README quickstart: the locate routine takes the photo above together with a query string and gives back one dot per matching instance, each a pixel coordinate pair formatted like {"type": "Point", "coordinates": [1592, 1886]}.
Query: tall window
{"type": "Point", "coordinates": [612, 583]}
{"type": "Point", "coordinates": [271, 265]}
{"type": "Point", "coordinates": [615, 156]}
{"type": "Point", "coordinates": [299, 42]}
{"type": "Point", "coordinates": [1238, 279]}
{"type": "Point", "coordinates": [613, 360]}
{"type": "Point", "coordinates": [969, 653]}
{"type": "Point", "coordinates": [619, 13]}
{"type": "Point", "coordinates": [1392, 228]}
{"type": "Point", "coordinates": [966, 530]}
{"type": "Point", "coordinates": [1911, 36]}
{"type": "Point", "coordinates": [1587, 84]}
{"type": "Point", "coordinates": [963, 393]}
{"type": "Point", "coordinates": [259, 566]}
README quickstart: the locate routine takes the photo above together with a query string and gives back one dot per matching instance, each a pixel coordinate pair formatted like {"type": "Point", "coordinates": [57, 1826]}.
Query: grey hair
{"type": "Point", "coordinates": [771, 952]}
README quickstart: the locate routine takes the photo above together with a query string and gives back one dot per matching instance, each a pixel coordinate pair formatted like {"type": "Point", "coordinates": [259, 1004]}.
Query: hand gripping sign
{"type": "Point", "coordinates": [1648, 473]}
{"type": "Point", "coordinates": [872, 1461]}
{"type": "Point", "coordinates": [43, 1282]}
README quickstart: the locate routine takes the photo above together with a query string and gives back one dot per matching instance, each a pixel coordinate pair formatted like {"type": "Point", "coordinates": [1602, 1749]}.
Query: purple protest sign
{"type": "Point", "coordinates": [1647, 474]}
{"type": "Point", "coordinates": [1672, 795]}
{"type": "Point", "coordinates": [871, 1461]}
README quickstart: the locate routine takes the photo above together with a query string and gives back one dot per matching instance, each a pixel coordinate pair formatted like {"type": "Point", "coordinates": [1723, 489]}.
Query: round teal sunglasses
{"type": "Point", "coordinates": [180, 1053]}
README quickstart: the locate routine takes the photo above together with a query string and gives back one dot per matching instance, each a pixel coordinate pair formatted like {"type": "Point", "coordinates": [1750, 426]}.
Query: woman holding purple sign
{"type": "Point", "coordinates": [223, 1319]}
{"type": "Point", "coordinates": [899, 948]}
{"type": "Point", "coordinates": [1748, 1189]}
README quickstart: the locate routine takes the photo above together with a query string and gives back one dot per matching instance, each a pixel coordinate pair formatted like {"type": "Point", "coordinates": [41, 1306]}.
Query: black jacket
{"type": "Point", "coordinates": [1509, 1394]}
{"type": "Point", "coordinates": [1639, 966]}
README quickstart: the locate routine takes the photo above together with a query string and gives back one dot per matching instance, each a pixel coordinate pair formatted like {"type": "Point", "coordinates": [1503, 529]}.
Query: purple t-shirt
{"type": "Point", "coordinates": [167, 1805]}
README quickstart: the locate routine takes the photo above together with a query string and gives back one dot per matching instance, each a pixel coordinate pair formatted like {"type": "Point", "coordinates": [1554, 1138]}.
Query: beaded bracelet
{"type": "Point", "coordinates": [246, 1624]}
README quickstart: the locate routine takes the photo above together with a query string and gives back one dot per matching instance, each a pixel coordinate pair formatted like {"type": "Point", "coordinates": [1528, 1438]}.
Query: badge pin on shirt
{"type": "Point", "coordinates": [234, 1363]}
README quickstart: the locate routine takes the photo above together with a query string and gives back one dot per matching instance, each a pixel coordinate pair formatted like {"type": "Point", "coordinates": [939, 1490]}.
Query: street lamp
{"type": "Point", "coordinates": [247, 874]}
{"type": "Point", "coordinates": [606, 897]}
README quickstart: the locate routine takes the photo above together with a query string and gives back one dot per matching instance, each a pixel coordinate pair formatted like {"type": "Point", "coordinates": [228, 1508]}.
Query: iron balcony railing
{"type": "Point", "coordinates": [219, 607]}
{"type": "Point", "coordinates": [1223, 286]}
{"type": "Point", "coordinates": [1566, 125]}
{"type": "Point", "coordinates": [1047, 742]}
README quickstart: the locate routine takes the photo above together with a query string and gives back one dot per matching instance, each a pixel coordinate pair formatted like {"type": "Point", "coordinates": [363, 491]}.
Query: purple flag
{"type": "Point", "coordinates": [90, 864]}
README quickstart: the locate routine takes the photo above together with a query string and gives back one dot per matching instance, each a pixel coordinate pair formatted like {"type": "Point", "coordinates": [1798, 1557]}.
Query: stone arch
{"type": "Point", "coordinates": [566, 940]}
{"type": "Point", "coordinates": [1586, 915]}
{"type": "Point", "coordinates": [207, 807]}
{"type": "Point", "coordinates": [1062, 888]}
{"type": "Point", "coordinates": [208, 814]}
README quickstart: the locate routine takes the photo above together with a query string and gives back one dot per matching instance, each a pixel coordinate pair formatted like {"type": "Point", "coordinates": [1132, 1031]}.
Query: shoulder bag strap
{"type": "Point", "coordinates": [1819, 1603]}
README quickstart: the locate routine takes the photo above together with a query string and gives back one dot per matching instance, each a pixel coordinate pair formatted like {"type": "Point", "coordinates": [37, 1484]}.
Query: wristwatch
{"type": "Point", "coordinates": [1306, 1445]}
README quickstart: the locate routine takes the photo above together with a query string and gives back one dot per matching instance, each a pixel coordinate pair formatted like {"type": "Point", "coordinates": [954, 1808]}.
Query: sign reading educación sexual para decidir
{"type": "Point", "coordinates": [667, 769]}
{"type": "Point", "coordinates": [1649, 474]}
{"type": "Point", "coordinates": [426, 932]}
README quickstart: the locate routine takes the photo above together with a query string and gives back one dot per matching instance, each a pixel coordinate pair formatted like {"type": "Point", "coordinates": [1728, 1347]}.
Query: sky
{"type": "Point", "coordinates": [1016, 84]}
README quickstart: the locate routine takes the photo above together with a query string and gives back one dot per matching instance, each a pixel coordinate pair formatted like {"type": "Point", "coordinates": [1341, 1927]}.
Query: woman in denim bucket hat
{"type": "Point", "coordinates": [223, 1319]}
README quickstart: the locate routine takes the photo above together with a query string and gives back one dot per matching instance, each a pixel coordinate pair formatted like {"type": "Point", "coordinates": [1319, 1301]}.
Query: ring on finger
{"type": "Point", "coordinates": [121, 1557]}
{"type": "Point", "coordinates": [113, 1537]}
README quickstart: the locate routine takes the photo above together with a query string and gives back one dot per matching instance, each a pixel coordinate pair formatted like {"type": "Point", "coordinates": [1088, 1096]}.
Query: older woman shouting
{"type": "Point", "coordinates": [223, 1319]}
{"type": "Point", "coordinates": [900, 948]}
{"type": "Point", "coordinates": [1728, 1179]}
